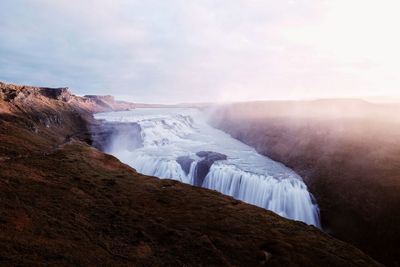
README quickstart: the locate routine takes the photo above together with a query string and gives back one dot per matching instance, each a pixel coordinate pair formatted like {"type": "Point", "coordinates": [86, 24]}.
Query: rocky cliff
{"type": "Point", "coordinates": [347, 151]}
{"type": "Point", "coordinates": [16, 98]}
{"type": "Point", "coordinates": [17, 95]}
{"type": "Point", "coordinates": [65, 203]}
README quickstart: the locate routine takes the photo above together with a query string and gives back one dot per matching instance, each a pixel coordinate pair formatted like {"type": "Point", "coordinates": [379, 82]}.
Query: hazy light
{"type": "Point", "coordinates": [203, 50]}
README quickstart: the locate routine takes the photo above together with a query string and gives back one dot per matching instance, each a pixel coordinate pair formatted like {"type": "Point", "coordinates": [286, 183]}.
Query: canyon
{"type": "Point", "coordinates": [63, 202]}
{"type": "Point", "coordinates": [179, 144]}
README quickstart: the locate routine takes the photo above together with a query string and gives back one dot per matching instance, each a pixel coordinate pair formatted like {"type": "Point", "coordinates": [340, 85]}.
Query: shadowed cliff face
{"type": "Point", "coordinates": [348, 153]}
{"type": "Point", "coordinates": [106, 136]}
{"type": "Point", "coordinates": [203, 167]}
{"type": "Point", "coordinates": [64, 203]}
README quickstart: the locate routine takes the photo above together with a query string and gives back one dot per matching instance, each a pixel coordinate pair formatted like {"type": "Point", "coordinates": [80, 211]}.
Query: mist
{"type": "Point", "coordinates": [178, 144]}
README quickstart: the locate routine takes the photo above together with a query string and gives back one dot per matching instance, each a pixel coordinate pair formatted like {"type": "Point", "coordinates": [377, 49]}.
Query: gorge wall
{"type": "Point", "coordinates": [347, 151]}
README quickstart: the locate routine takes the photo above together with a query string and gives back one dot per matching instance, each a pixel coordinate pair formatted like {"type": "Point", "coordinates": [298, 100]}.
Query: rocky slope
{"type": "Point", "coordinates": [65, 203]}
{"type": "Point", "coordinates": [348, 152]}
{"type": "Point", "coordinates": [24, 95]}
{"type": "Point", "coordinates": [108, 103]}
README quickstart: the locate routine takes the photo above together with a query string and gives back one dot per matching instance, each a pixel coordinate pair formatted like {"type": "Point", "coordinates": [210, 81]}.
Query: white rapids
{"type": "Point", "coordinates": [168, 133]}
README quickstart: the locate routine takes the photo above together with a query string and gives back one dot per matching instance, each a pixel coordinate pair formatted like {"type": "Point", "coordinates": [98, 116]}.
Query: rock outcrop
{"type": "Point", "coordinates": [17, 98]}
{"type": "Point", "coordinates": [104, 133]}
{"type": "Point", "coordinates": [204, 165]}
{"type": "Point", "coordinates": [185, 162]}
{"type": "Point", "coordinates": [18, 95]}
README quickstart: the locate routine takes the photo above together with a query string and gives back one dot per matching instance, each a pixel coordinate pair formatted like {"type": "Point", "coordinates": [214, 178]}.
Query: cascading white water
{"type": "Point", "coordinates": [168, 134]}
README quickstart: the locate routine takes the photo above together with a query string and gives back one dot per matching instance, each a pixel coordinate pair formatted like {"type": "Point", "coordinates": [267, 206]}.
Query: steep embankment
{"type": "Point", "coordinates": [348, 152]}
{"type": "Point", "coordinates": [64, 203]}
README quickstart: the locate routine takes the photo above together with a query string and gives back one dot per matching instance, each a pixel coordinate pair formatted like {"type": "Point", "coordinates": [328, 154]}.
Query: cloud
{"type": "Point", "coordinates": [201, 50]}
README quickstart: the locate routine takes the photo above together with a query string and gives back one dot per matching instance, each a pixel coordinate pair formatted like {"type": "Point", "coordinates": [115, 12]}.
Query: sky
{"type": "Point", "coordinates": [173, 51]}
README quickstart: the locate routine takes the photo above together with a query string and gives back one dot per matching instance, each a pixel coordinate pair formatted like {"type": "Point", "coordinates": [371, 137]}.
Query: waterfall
{"type": "Point", "coordinates": [286, 197]}
{"type": "Point", "coordinates": [179, 144]}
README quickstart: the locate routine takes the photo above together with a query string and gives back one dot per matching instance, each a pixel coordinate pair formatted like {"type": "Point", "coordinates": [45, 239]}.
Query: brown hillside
{"type": "Point", "coordinates": [64, 203]}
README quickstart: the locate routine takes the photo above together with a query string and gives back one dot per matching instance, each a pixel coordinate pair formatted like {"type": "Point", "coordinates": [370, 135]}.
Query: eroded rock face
{"type": "Point", "coordinates": [204, 165]}
{"type": "Point", "coordinates": [105, 133]}
{"type": "Point", "coordinates": [11, 92]}
{"type": "Point", "coordinates": [26, 96]}
{"type": "Point", "coordinates": [185, 162]}
{"type": "Point", "coordinates": [29, 99]}
{"type": "Point", "coordinates": [51, 115]}
{"type": "Point", "coordinates": [62, 94]}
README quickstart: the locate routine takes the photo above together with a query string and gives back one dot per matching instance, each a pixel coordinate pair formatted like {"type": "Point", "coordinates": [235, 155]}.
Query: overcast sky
{"type": "Point", "coordinates": [173, 51]}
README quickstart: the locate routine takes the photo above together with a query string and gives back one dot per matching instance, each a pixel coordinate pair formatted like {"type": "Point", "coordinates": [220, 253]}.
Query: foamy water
{"type": "Point", "coordinates": [167, 134]}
